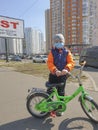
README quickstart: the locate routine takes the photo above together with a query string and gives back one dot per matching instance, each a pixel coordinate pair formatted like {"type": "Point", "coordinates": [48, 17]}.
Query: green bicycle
{"type": "Point", "coordinates": [40, 103]}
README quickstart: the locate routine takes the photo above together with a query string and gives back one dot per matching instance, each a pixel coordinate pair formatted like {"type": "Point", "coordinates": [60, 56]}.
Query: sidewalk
{"type": "Point", "coordinates": [90, 83]}
{"type": "Point", "coordinates": [86, 79]}
{"type": "Point", "coordinates": [13, 112]}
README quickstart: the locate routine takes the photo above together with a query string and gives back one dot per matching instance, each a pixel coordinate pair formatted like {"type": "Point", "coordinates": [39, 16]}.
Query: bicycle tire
{"type": "Point", "coordinates": [34, 99]}
{"type": "Point", "coordinates": [92, 107]}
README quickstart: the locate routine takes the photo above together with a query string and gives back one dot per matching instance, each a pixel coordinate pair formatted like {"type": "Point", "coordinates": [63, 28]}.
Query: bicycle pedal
{"type": "Point", "coordinates": [53, 114]}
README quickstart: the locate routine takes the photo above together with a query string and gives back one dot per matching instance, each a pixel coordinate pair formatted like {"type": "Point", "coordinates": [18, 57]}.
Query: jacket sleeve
{"type": "Point", "coordinates": [70, 62]}
{"type": "Point", "coordinates": [69, 66]}
{"type": "Point", "coordinates": [50, 63]}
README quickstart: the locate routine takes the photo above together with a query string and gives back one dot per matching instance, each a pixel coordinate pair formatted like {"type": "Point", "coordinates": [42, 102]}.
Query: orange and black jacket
{"type": "Point", "coordinates": [59, 60]}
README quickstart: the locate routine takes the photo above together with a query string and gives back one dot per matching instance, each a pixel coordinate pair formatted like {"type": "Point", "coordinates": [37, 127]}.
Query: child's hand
{"type": "Point", "coordinates": [58, 73]}
{"type": "Point", "coordinates": [64, 72]}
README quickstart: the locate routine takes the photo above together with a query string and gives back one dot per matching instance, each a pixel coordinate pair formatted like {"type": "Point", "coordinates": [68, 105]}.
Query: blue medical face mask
{"type": "Point", "coordinates": [59, 45]}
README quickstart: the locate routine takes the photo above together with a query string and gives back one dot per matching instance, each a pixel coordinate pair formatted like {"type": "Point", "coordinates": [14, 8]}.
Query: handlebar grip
{"type": "Point", "coordinates": [83, 63]}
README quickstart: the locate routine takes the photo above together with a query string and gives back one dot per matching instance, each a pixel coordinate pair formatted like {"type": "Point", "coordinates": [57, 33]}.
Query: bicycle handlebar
{"type": "Point", "coordinates": [70, 74]}
{"type": "Point", "coordinates": [81, 68]}
{"type": "Point", "coordinates": [83, 63]}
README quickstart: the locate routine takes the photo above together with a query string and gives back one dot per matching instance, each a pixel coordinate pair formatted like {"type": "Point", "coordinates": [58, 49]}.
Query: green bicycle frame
{"type": "Point", "coordinates": [48, 104]}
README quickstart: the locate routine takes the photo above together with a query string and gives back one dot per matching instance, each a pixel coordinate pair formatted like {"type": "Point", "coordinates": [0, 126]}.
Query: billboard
{"type": "Point", "coordinates": [11, 27]}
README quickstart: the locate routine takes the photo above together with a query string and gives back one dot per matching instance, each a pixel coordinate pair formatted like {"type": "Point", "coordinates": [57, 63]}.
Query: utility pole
{"type": "Point", "coordinates": [6, 49]}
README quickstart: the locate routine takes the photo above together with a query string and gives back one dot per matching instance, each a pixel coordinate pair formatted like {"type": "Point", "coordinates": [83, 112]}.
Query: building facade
{"type": "Point", "coordinates": [34, 41]}
{"type": "Point", "coordinates": [14, 46]}
{"type": "Point", "coordinates": [47, 30]}
{"type": "Point", "coordinates": [75, 19]}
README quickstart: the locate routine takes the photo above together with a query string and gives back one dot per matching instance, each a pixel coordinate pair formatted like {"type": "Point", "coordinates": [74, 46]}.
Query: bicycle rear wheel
{"type": "Point", "coordinates": [90, 107]}
{"type": "Point", "coordinates": [34, 99]}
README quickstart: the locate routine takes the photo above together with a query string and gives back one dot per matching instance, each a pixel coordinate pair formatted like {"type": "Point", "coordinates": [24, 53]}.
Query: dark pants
{"type": "Point", "coordinates": [60, 79]}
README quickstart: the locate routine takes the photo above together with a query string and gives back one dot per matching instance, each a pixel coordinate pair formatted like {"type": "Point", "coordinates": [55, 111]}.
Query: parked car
{"type": "Point", "coordinates": [16, 58]}
{"type": "Point", "coordinates": [90, 55]}
{"type": "Point", "coordinates": [40, 59]}
{"type": "Point", "coordinates": [3, 57]}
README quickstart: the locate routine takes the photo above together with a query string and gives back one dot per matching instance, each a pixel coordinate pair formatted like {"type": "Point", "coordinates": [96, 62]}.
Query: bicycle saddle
{"type": "Point", "coordinates": [50, 85]}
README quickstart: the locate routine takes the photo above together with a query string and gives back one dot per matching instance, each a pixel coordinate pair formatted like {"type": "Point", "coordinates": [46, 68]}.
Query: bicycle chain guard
{"type": "Point", "coordinates": [58, 106]}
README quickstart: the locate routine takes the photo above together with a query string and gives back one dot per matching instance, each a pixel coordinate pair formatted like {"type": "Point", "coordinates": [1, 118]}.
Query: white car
{"type": "Point", "coordinates": [40, 59]}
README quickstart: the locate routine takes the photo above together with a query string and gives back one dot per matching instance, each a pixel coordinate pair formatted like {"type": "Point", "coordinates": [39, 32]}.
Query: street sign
{"type": "Point", "coordinates": [11, 27]}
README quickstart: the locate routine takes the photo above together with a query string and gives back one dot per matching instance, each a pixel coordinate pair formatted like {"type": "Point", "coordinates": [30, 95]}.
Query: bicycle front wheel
{"type": "Point", "coordinates": [34, 99]}
{"type": "Point", "coordinates": [90, 107]}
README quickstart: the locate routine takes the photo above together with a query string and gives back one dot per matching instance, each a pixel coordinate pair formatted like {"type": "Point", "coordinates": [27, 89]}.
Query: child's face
{"type": "Point", "coordinates": [58, 45]}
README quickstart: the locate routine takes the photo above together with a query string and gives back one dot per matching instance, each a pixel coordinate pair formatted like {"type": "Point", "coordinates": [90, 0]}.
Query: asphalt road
{"type": "Point", "coordinates": [13, 112]}
{"type": "Point", "coordinates": [93, 73]}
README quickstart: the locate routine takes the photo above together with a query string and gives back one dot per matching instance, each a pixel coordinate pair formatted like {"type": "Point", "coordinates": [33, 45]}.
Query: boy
{"type": "Point", "coordinates": [60, 61]}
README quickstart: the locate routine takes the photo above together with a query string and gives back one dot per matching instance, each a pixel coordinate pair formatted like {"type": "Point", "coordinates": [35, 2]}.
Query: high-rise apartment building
{"type": "Point", "coordinates": [34, 41]}
{"type": "Point", "coordinates": [57, 17]}
{"type": "Point", "coordinates": [14, 46]}
{"type": "Point", "coordinates": [75, 19]}
{"type": "Point", "coordinates": [89, 21]}
{"type": "Point", "coordinates": [95, 27]}
{"type": "Point", "coordinates": [47, 30]}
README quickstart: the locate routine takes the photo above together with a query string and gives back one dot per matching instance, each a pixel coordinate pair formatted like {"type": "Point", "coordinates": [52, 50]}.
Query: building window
{"type": "Point", "coordinates": [74, 0]}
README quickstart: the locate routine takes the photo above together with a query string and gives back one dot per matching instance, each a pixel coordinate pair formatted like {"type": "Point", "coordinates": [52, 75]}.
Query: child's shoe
{"type": "Point", "coordinates": [59, 113]}
{"type": "Point", "coordinates": [53, 114]}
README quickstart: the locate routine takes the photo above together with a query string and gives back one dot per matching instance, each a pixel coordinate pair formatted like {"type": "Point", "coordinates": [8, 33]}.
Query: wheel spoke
{"type": "Point", "coordinates": [33, 101]}
{"type": "Point", "coordinates": [91, 109]}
